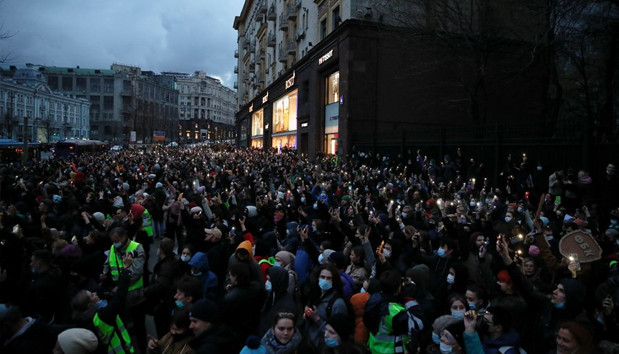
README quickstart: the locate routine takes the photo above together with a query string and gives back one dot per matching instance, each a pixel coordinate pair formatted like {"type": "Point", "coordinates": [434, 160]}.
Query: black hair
{"type": "Point", "coordinates": [501, 316]}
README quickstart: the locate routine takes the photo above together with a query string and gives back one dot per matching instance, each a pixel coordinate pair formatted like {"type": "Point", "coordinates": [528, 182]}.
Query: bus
{"type": "Point", "coordinates": [76, 147]}
{"type": "Point", "coordinates": [11, 151]}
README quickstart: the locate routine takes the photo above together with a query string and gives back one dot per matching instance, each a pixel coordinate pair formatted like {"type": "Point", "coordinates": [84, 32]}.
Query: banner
{"type": "Point", "coordinates": [159, 135]}
{"type": "Point", "coordinates": [581, 245]}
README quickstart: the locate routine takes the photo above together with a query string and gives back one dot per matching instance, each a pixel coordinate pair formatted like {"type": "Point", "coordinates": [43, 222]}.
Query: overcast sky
{"type": "Point", "coordinates": [156, 35]}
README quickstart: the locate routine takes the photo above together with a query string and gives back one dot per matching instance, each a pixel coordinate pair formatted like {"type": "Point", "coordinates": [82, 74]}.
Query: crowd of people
{"type": "Point", "coordinates": [266, 251]}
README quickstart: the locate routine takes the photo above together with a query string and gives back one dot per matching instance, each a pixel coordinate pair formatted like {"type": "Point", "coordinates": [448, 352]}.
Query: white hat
{"type": "Point", "coordinates": [195, 209]}
{"type": "Point", "coordinates": [98, 216]}
{"type": "Point", "coordinates": [78, 341]}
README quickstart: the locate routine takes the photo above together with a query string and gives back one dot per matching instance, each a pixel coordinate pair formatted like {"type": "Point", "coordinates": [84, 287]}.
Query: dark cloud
{"type": "Point", "coordinates": [157, 35]}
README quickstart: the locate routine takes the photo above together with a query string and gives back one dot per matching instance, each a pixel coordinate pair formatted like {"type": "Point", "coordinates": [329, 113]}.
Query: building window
{"type": "Point", "coordinates": [95, 84]}
{"type": "Point", "coordinates": [108, 85]}
{"type": "Point", "coordinates": [67, 84]}
{"type": "Point", "coordinates": [323, 29]}
{"type": "Point", "coordinates": [335, 18]}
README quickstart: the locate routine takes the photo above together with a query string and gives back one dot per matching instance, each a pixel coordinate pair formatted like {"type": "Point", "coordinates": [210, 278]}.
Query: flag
{"type": "Point", "coordinates": [159, 135]}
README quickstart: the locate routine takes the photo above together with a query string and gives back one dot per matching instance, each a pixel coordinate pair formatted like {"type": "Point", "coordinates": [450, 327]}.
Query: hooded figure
{"type": "Point", "coordinates": [200, 268]}
{"type": "Point", "coordinates": [278, 298]}
{"type": "Point", "coordinates": [244, 254]}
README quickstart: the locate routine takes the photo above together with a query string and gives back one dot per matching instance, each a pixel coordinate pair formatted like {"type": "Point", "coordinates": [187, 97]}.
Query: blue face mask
{"type": "Point", "coordinates": [268, 286]}
{"type": "Point", "coordinates": [445, 348]}
{"type": "Point", "coordinates": [440, 252]}
{"type": "Point", "coordinates": [118, 245]}
{"type": "Point", "coordinates": [320, 258]}
{"type": "Point", "coordinates": [404, 215]}
{"type": "Point", "coordinates": [101, 304]}
{"type": "Point", "coordinates": [316, 206]}
{"type": "Point", "coordinates": [314, 228]}
{"type": "Point", "coordinates": [179, 303]}
{"type": "Point", "coordinates": [325, 284]}
{"type": "Point", "coordinates": [457, 314]}
{"type": "Point", "coordinates": [331, 342]}
{"type": "Point", "coordinates": [277, 264]}
{"type": "Point", "coordinates": [436, 338]}
{"type": "Point", "coordinates": [287, 232]}
{"type": "Point", "coordinates": [472, 305]}
{"type": "Point", "coordinates": [303, 200]}
{"type": "Point", "coordinates": [362, 291]}
{"type": "Point", "coordinates": [560, 305]}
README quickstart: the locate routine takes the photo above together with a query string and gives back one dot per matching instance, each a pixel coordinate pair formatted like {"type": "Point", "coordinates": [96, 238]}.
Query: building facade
{"type": "Point", "coordinates": [206, 108]}
{"type": "Point", "coordinates": [327, 77]}
{"type": "Point", "coordinates": [123, 99]}
{"type": "Point", "coordinates": [31, 110]}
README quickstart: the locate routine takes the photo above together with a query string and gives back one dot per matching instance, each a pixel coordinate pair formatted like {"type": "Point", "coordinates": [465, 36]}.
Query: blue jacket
{"type": "Point", "coordinates": [209, 279]}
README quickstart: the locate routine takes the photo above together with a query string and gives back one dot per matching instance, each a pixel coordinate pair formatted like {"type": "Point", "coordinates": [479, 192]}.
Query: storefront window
{"type": "Point", "coordinates": [257, 123]}
{"type": "Point", "coordinates": [285, 113]}
{"type": "Point", "coordinates": [332, 112]}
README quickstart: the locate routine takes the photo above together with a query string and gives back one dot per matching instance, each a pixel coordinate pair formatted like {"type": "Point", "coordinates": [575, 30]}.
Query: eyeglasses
{"type": "Point", "coordinates": [289, 315]}
{"type": "Point", "coordinates": [485, 319]}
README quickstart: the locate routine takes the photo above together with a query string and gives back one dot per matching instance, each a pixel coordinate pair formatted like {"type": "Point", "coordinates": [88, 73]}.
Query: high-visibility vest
{"type": "Point", "coordinates": [147, 223]}
{"type": "Point", "coordinates": [115, 337]}
{"type": "Point", "coordinates": [384, 342]}
{"type": "Point", "coordinates": [116, 263]}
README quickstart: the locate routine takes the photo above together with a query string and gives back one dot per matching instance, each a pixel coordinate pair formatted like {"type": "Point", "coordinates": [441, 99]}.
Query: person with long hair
{"type": "Point", "coordinates": [283, 337]}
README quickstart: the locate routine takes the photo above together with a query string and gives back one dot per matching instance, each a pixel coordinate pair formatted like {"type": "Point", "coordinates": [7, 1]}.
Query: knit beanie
{"type": "Point", "coordinates": [342, 324]}
{"type": "Point", "coordinates": [78, 341]}
{"type": "Point", "coordinates": [253, 346]}
{"type": "Point", "coordinates": [575, 292]}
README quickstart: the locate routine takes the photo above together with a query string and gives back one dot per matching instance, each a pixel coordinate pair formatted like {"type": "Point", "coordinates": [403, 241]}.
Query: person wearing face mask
{"type": "Point", "coordinates": [566, 303]}
{"type": "Point", "coordinates": [495, 332]}
{"type": "Point", "coordinates": [277, 299]}
{"type": "Point", "coordinates": [200, 269]}
{"type": "Point", "coordinates": [323, 301]}
{"type": "Point", "coordinates": [338, 336]}
{"type": "Point", "coordinates": [439, 263]}
{"type": "Point", "coordinates": [188, 290]}
{"type": "Point", "coordinates": [161, 290]}
{"type": "Point", "coordinates": [451, 339]}
{"type": "Point", "coordinates": [177, 339]}
{"type": "Point", "coordinates": [439, 324]}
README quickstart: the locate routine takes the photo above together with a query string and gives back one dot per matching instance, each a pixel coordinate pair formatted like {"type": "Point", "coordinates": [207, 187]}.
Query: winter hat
{"type": "Point", "coordinates": [338, 259]}
{"type": "Point", "coordinates": [326, 254]}
{"type": "Point", "coordinates": [98, 216]}
{"type": "Point", "coordinates": [137, 210]}
{"type": "Point", "coordinates": [342, 324]}
{"type": "Point", "coordinates": [253, 346]}
{"type": "Point", "coordinates": [205, 310]}
{"type": "Point", "coordinates": [158, 185]}
{"type": "Point", "coordinates": [195, 209]}
{"type": "Point", "coordinates": [504, 277]}
{"type": "Point", "coordinates": [440, 323]}
{"type": "Point", "coordinates": [533, 251]}
{"type": "Point", "coordinates": [575, 292]}
{"type": "Point", "coordinates": [56, 198]}
{"type": "Point", "coordinates": [78, 341]}
{"type": "Point", "coordinates": [118, 203]}
{"type": "Point", "coordinates": [457, 330]}
{"type": "Point", "coordinates": [286, 257]}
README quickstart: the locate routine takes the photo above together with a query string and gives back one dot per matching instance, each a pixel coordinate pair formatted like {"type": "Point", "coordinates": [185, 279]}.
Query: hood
{"type": "Point", "coordinates": [287, 258]}
{"type": "Point", "coordinates": [137, 210]}
{"type": "Point", "coordinates": [246, 245]}
{"type": "Point", "coordinates": [279, 279]}
{"type": "Point", "coordinates": [200, 261]}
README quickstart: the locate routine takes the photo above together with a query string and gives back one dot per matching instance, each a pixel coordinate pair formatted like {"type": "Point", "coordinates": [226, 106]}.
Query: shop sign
{"type": "Point", "coordinates": [325, 57]}
{"type": "Point", "coordinates": [290, 81]}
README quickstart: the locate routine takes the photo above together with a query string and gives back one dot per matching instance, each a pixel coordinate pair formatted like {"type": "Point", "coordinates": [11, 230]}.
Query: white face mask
{"type": "Point", "coordinates": [185, 258]}
{"type": "Point", "coordinates": [387, 253]}
{"type": "Point", "coordinates": [450, 278]}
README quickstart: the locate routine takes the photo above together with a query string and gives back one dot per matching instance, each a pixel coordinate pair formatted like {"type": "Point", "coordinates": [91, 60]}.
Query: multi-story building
{"type": "Point", "coordinates": [31, 110]}
{"type": "Point", "coordinates": [123, 100]}
{"type": "Point", "coordinates": [327, 76]}
{"type": "Point", "coordinates": [206, 108]}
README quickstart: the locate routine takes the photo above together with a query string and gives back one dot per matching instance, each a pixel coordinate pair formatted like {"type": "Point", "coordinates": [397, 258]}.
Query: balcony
{"type": "Point", "coordinates": [291, 12]}
{"type": "Point", "coordinates": [291, 47]}
{"type": "Point", "coordinates": [236, 53]}
{"type": "Point", "coordinates": [236, 69]}
{"type": "Point", "coordinates": [271, 15]}
{"type": "Point", "coordinates": [282, 55]}
{"type": "Point", "coordinates": [271, 40]}
{"type": "Point", "coordinates": [283, 23]}
{"type": "Point", "coordinates": [262, 7]}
